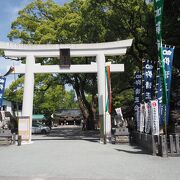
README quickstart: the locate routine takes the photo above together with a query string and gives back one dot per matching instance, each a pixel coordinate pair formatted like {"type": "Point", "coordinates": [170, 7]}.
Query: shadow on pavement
{"type": "Point", "coordinates": [136, 150]}
{"type": "Point", "coordinates": [69, 133]}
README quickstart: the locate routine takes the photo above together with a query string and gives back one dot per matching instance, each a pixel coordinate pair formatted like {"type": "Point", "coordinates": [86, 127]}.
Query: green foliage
{"type": "Point", "coordinates": [125, 100]}
{"type": "Point", "coordinates": [91, 21]}
{"type": "Point", "coordinates": [171, 27]}
{"type": "Point", "coordinates": [55, 97]}
{"type": "Point", "coordinates": [50, 96]}
{"type": "Point", "coordinates": [15, 91]}
{"type": "Point", "coordinates": [1, 53]}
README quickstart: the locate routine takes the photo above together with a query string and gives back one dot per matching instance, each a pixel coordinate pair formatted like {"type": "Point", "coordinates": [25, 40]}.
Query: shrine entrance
{"type": "Point", "coordinates": [97, 50]}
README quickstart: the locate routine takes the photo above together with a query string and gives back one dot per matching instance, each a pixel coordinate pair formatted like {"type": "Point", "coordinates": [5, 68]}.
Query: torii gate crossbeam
{"type": "Point", "coordinates": [84, 68]}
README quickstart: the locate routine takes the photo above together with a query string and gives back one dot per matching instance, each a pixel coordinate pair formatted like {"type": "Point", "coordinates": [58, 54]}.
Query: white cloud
{"type": "Point", "coordinates": [12, 10]}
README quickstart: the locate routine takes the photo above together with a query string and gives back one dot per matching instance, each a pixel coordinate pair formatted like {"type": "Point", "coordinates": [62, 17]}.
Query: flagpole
{"type": "Point", "coordinates": [165, 123]}
{"type": "Point", "coordinates": [104, 131]}
{"type": "Point", "coordinates": [17, 104]}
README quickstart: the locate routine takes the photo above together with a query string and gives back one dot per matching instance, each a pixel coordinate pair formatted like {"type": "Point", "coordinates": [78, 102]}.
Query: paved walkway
{"type": "Point", "coordinates": [81, 157]}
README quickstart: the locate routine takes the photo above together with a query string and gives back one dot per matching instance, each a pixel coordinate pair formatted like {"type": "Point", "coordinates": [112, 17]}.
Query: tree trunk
{"type": "Point", "coordinates": [84, 105]}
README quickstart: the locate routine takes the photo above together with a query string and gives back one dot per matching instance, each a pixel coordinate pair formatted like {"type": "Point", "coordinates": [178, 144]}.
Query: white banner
{"type": "Point", "coordinates": [154, 117]}
{"type": "Point", "coordinates": [119, 112]}
{"type": "Point", "coordinates": [141, 118]}
{"type": "Point", "coordinates": [147, 117]}
{"type": "Point", "coordinates": [138, 118]}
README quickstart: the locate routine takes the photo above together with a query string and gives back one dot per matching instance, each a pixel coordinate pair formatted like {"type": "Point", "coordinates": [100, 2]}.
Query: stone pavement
{"type": "Point", "coordinates": [75, 155]}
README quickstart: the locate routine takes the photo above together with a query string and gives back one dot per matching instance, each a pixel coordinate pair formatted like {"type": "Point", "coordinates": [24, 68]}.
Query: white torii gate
{"type": "Point", "coordinates": [98, 50]}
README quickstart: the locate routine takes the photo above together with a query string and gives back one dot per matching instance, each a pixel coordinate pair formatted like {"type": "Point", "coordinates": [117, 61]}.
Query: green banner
{"type": "Point", "coordinates": [158, 8]}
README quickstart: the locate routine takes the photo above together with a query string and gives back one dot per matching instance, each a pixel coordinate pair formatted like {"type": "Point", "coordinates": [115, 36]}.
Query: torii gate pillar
{"type": "Point", "coordinates": [104, 117]}
{"type": "Point", "coordinates": [28, 87]}
{"type": "Point", "coordinates": [27, 108]}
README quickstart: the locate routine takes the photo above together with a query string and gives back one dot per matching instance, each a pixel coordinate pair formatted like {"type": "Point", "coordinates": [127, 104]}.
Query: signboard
{"type": "Point", "coordinates": [65, 60]}
{"type": "Point", "coordinates": [154, 117]}
{"type": "Point", "coordinates": [2, 87]}
{"type": "Point", "coordinates": [24, 127]}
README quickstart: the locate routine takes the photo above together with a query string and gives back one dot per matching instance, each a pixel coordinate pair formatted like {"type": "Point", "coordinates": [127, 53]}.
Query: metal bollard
{"type": "Point", "coordinates": [19, 140]}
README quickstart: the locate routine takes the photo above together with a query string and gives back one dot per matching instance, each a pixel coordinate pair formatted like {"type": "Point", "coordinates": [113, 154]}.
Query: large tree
{"type": "Point", "coordinates": [48, 96]}
{"type": "Point", "coordinates": [46, 22]}
{"type": "Point", "coordinates": [86, 21]}
{"type": "Point", "coordinates": [82, 21]}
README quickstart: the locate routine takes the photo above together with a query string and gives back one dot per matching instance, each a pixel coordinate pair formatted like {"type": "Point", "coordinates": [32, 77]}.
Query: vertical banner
{"type": "Point", "coordinates": [137, 117]}
{"type": "Point", "coordinates": [147, 117]}
{"type": "Point", "coordinates": [159, 97]}
{"type": "Point", "coordinates": [154, 117]}
{"type": "Point", "coordinates": [108, 87]}
{"type": "Point", "coordinates": [2, 87]}
{"type": "Point", "coordinates": [168, 53]}
{"type": "Point", "coordinates": [148, 80]}
{"type": "Point", "coordinates": [108, 101]}
{"type": "Point", "coordinates": [141, 118]}
{"type": "Point", "coordinates": [168, 60]}
{"type": "Point", "coordinates": [158, 8]}
{"type": "Point", "coordinates": [137, 97]}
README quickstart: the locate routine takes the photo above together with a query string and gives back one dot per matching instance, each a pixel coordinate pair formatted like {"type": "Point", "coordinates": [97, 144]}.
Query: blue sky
{"type": "Point", "coordinates": [8, 13]}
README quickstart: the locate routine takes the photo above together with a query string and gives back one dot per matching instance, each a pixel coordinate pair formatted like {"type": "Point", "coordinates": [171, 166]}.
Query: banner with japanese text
{"type": "Point", "coordinates": [141, 117]}
{"type": "Point", "coordinates": [147, 117]}
{"type": "Point", "coordinates": [137, 97]}
{"type": "Point", "coordinates": [168, 53]}
{"type": "Point", "coordinates": [159, 97]}
{"type": "Point", "coordinates": [158, 8]}
{"type": "Point", "coordinates": [148, 80]}
{"type": "Point", "coordinates": [154, 117]}
{"type": "Point", "coordinates": [2, 87]}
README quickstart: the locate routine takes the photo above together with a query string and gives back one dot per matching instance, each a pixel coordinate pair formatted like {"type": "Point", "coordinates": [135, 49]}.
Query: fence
{"type": "Point", "coordinates": [158, 145]}
{"type": "Point", "coordinates": [173, 145]}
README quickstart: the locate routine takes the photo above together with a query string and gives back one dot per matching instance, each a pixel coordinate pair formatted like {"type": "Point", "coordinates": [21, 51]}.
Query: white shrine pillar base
{"type": "Point", "coordinates": [27, 108]}
{"type": "Point", "coordinates": [105, 126]}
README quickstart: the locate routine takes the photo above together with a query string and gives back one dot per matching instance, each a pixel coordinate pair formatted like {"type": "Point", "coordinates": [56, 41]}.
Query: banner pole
{"type": "Point", "coordinates": [165, 123]}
